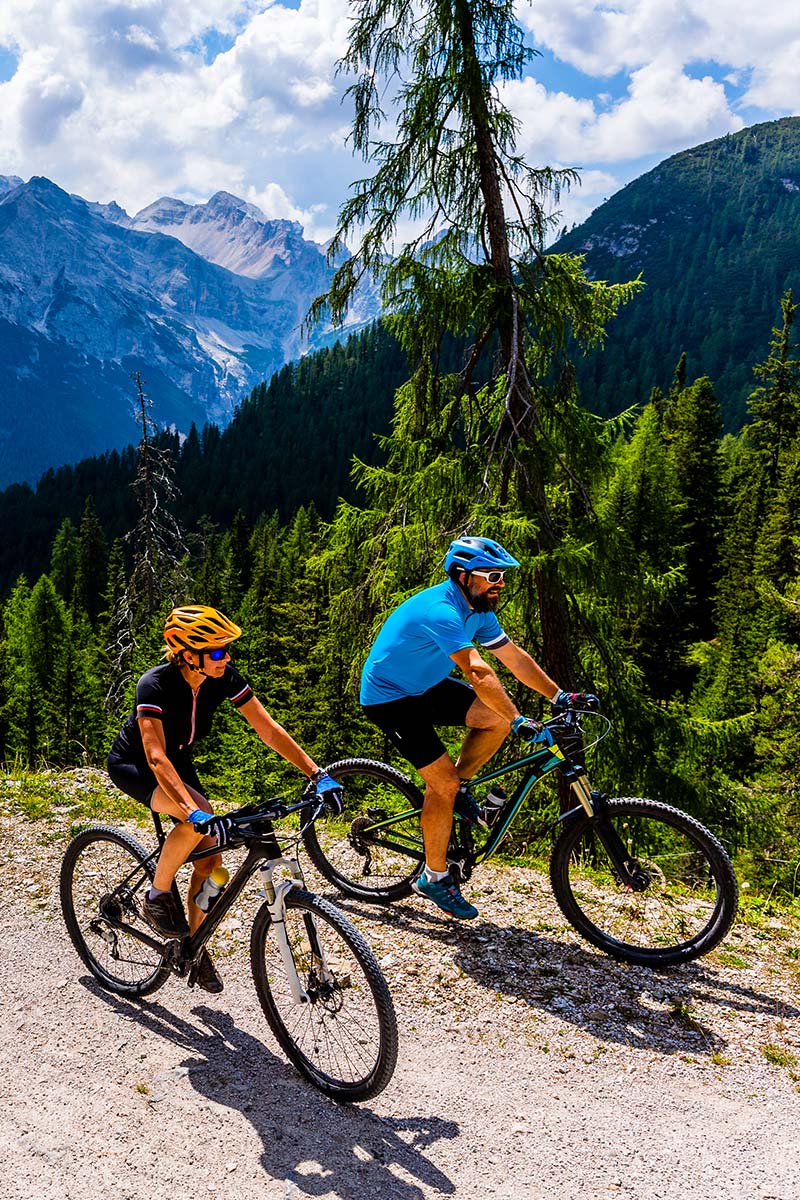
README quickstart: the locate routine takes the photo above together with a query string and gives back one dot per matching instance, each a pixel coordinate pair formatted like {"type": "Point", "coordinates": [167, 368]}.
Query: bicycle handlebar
{"type": "Point", "coordinates": [246, 820]}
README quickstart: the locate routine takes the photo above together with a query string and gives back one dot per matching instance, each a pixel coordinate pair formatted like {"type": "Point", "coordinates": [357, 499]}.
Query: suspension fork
{"type": "Point", "coordinates": [275, 894]}
{"type": "Point", "coordinates": [593, 803]}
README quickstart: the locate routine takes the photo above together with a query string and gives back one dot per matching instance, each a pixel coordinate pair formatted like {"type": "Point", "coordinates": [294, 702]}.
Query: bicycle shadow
{"type": "Point", "coordinates": [614, 1002]}
{"type": "Point", "coordinates": [319, 1146]}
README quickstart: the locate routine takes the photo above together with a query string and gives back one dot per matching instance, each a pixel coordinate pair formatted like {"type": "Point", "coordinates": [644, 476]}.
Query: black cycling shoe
{"type": "Point", "coordinates": [165, 914]}
{"type": "Point", "coordinates": [206, 975]}
{"type": "Point", "coordinates": [467, 807]}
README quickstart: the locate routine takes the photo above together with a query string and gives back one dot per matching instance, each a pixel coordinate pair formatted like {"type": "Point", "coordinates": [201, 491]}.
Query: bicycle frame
{"type": "Point", "coordinates": [264, 855]}
{"type": "Point", "coordinates": [539, 762]}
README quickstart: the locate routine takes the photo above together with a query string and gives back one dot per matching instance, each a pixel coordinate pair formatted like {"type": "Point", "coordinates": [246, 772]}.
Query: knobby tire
{"type": "Point", "coordinates": [92, 871]}
{"type": "Point", "coordinates": [347, 857]}
{"type": "Point", "coordinates": [688, 897]}
{"type": "Point", "coordinates": [344, 1038]}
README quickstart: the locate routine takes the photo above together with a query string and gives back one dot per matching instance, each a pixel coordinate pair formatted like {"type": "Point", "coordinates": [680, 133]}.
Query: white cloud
{"type": "Point", "coordinates": [602, 38]}
{"type": "Point", "coordinates": [119, 99]}
{"type": "Point", "coordinates": [663, 111]}
{"type": "Point", "coordinates": [134, 111]}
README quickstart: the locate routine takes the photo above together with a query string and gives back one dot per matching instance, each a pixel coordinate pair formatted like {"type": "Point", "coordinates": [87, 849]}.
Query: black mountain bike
{"type": "Point", "coordinates": [639, 879]}
{"type": "Point", "coordinates": [318, 982]}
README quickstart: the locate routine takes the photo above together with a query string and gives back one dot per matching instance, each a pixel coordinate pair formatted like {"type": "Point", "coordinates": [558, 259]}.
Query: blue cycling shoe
{"type": "Point", "coordinates": [445, 895]}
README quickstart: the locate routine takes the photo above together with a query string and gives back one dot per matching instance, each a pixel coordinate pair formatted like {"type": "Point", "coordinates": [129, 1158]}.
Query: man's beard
{"type": "Point", "coordinates": [483, 601]}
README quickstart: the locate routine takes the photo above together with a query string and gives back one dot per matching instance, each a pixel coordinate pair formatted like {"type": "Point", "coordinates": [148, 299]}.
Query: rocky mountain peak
{"type": "Point", "coordinates": [9, 183]}
{"type": "Point", "coordinates": [232, 233]}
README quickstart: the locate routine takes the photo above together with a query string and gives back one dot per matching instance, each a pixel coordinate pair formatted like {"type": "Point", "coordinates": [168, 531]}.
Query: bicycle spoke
{"type": "Point", "coordinates": [344, 1035]}
{"type": "Point", "coordinates": [374, 849]}
{"type": "Point", "coordinates": [102, 881]}
{"type": "Point", "coordinates": [673, 898]}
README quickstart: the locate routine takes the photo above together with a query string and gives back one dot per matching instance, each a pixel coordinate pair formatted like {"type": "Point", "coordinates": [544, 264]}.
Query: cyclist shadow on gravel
{"type": "Point", "coordinates": [667, 1011]}
{"type": "Point", "coordinates": [347, 1150]}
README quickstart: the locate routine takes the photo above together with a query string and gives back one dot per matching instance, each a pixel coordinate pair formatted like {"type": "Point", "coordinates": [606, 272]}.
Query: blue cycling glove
{"type": "Point", "coordinates": [207, 823]}
{"type": "Point", "coordinates": [583, 701]}
{"type": "Point", "coordinates": [531, 731]}
{"type": "Point", "coordinates": [328, 791]}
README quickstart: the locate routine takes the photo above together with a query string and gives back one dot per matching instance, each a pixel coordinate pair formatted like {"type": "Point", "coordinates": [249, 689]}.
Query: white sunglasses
{"type": "Point", "coordinates": [490, 576]}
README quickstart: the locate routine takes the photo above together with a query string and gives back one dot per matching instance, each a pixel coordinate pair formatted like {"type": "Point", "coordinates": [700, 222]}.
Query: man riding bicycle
{"type": "Point", "coordinates": [407, 691]}
{"type": "Point", "coordinates": [151, 758]}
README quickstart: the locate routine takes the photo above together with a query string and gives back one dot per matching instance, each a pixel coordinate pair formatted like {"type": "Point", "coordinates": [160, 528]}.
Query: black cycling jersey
{"type": "Point", "coordinates": [186, 715]}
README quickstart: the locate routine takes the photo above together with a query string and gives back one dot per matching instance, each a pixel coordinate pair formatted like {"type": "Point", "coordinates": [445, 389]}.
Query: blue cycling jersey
{"type": "Point", "coordinates": [412, 651]}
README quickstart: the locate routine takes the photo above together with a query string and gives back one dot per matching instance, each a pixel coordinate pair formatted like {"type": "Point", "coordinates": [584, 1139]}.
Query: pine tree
{"type": "Point", "coordinates": [493, 446]}
{"type": "Point", "coordinates": [64, 559]}
{"type": "Point", "coordinates": [158, 579]}
{"type": "Point", "coordinates": [644, 506]}
{"type": "Point", "coordinates": [760, 550]}
{"type": "Point", "coordinates": [695, 426]}
{"type": "Point", "coordinates": [92, 559]}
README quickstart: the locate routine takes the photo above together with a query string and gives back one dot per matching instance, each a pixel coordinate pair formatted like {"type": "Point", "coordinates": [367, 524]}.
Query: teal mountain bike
{"type": "Point", "coordinates": [639, 879]}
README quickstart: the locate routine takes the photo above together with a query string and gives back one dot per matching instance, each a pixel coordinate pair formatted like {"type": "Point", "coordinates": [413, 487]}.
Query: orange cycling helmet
{"type": "Point", "coordinates": [198, 627]}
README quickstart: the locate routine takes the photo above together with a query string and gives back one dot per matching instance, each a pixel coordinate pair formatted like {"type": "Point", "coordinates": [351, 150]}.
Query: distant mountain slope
{"type": "Point", "coordinates": [88, 295]}
{"type": "Point", "coordinates": [289, 444]}
{"type": "Point", "coordinates": [715, 233]}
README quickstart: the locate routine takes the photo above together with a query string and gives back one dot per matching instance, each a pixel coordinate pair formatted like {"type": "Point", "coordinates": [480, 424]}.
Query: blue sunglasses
{"type": "Point", "coordinates": [217, 653]}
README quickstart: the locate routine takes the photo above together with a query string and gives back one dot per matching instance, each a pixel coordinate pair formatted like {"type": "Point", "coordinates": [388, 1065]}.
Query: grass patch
{"type": "Point", "coordinates": [758, 911]}
{"type": "Point", "coordinates": [720, 1060]}
{"type": "Point", "coordinates": [48, 796]}
{"type": "Point", "coordinates": [728, 958]}
{"type": "Point", "coordinates": [683, 1013]}
{"type": "Point", "coordinates": [778, 1056]}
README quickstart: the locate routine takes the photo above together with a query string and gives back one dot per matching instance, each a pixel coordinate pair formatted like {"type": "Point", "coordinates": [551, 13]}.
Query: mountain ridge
{"type": "Point", "coordinates": [111, 294]}
{"type": "Point", "coordinates": [715, 233]}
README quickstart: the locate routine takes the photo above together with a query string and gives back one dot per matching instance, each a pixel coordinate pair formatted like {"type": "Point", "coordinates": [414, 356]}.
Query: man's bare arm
{"type": "Point", "coordinates": [526, 670]}
{"type": "Point", "coordinates": [483, 679]}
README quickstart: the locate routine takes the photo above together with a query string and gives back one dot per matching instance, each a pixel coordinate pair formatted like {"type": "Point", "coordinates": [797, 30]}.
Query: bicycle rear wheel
{"type": "Point", "coordinates": [344, 1037]}
{"type": "Point", "coordinates": [103, 880]}
{"type": "Point", "coordinates": [374, 850]}
{"type": "Point", "coordinates": [684, 895]}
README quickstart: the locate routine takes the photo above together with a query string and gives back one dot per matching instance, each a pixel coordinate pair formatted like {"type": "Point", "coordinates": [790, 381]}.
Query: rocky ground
{"type": "Point", "coordinates": [530, 1065]}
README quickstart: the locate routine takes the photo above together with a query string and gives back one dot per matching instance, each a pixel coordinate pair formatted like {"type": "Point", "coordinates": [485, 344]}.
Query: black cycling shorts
{"type": "Point", "coordinates": [138, 781]}
{"type": "Point", "coordinates": [409, 723]}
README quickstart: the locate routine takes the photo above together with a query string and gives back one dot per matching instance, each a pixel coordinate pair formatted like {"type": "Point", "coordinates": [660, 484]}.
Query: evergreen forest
{"type": "Point", "coordinates": [660, 554]}
{"type": "Point", "coordinates": [714, 233]}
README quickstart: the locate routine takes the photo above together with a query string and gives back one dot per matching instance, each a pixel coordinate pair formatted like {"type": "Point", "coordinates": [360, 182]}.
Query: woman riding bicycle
{"type": "Point", "coordinates": [151, 758]}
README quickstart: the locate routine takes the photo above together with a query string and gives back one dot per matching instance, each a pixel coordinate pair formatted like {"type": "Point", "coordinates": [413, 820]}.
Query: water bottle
{"type": "Point", "coordinates": [493, 803]}
{"type": "Point", "coordinates": [212, 889]}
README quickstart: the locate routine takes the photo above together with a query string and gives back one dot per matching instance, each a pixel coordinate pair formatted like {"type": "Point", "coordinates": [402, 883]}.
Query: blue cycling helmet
{"type": "Point", "coordinates": [478, 554]}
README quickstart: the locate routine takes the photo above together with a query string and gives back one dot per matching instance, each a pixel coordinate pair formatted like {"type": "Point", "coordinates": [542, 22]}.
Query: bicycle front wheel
{"type": "Point", "coordinates": [374, 850]}
{"type": "Point", "coordinates": [103, 881]}
{"type": "Point", "coordinates": [342, 1035]}
{"type": "Point", "coordinates": [680, 895]}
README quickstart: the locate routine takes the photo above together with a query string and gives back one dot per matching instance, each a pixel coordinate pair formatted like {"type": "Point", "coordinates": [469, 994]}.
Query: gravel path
{"type": "Point", "coordinates": [530, 1066]}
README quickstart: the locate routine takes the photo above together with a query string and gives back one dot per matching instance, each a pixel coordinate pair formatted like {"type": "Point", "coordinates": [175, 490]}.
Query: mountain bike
{"type": "Point", "coordinates": [641, 880]}
{"type": "Point", "coordinates": [319, 984]}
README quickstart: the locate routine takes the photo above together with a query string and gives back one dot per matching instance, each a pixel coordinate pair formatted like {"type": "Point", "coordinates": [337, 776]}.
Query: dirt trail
{"type": "Point", "coordinates": [530, 1066]}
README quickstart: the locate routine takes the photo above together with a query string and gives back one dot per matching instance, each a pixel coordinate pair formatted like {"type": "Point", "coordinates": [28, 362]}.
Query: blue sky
{"type": "Point", "coordinates": [137, 99]}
